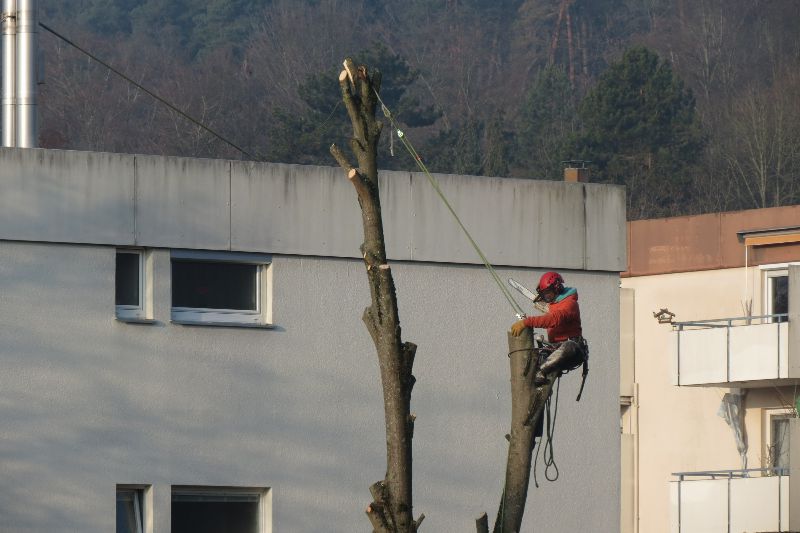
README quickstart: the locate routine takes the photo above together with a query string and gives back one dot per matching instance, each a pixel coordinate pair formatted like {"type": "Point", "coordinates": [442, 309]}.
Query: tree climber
{"type": "Point", "coordinates": [563, 323]}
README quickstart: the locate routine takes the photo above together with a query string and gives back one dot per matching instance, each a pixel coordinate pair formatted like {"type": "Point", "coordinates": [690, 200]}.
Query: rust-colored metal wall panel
{"type": "Point", "coordinates": [706, 242]}
{"type": "Point", "coordinates": [678, 244]}
{"type": "Point", "coordinates": [767, 255]}
{"type": "Point", "coordinates": [753, 219]}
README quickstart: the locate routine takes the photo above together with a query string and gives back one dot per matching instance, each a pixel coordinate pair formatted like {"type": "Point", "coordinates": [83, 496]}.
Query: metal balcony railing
{"type": "Point", "coordinates": [730, 474]}
{"type": "Point", "coordinates": [755, 499]}
{"type": "Point", "coordinates": [729, 322]}
{"type": "Point", "coordinates": [716, 342]}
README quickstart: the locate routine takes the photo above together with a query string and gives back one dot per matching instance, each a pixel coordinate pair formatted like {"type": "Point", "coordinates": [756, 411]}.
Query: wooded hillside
{"type": "Point", "coordinates": [692, 105]}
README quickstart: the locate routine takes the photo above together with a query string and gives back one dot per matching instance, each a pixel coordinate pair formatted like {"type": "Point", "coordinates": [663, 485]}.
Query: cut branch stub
{"type": "Point", "coordinates": [377, 517]}
{"type": "Point", "coordinates": [362, 189]}
{"type": "Point", "coordinates": [341, 158]}
{"type": "Point", "coordinates": [351, 105]}
{"type": "Point", "coordinates": [378, 491]}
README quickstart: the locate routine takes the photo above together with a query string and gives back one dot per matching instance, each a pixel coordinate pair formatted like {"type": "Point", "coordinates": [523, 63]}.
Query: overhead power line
{"type": "Point", "coordinates": [158, 98]}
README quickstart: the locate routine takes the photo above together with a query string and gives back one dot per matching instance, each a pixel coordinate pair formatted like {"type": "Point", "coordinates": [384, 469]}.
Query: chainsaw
{"type": "Point", "coordinates": [539, 306]}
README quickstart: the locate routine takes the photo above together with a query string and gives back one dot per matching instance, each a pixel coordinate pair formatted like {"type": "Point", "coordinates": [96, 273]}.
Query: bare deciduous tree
{"type": "Point", "coordinates": [763, 144]}
{"type": "Point", "coordinates": [391, 509]}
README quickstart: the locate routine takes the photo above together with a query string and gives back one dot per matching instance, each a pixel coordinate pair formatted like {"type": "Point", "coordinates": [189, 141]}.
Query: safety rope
{"type": "Point", "coordinates": [549, 434]}
{"type": "Point", "coordinates": [435, 184]}
{"type": "Point", "coordinates": [549, 457]}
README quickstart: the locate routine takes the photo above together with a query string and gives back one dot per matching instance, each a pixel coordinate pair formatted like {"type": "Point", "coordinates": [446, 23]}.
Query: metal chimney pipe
{"type": "Point", "coordinates": [9, 73]}
{"type": "Point", "coordinates": [27, 73]}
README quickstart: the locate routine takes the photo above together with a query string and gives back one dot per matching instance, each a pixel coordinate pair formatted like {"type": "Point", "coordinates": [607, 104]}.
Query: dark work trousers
{"type": "Point", "coordinates": [566, 357]}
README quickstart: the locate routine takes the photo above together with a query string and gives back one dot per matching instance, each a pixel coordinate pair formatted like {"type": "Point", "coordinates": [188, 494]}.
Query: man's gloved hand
{"type": "Point", "coordinates": [517, 328]}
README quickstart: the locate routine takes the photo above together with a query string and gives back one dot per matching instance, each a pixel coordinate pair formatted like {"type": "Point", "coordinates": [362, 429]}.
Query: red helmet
{"type": "Point", "coordinates": [550, 280]}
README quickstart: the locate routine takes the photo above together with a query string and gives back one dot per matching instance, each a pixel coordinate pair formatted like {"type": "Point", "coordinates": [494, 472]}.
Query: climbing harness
{"type": "Point", "coordinates": [543, 350]}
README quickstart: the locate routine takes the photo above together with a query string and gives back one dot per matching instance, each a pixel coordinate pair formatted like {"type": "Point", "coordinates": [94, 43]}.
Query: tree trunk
{"type": "Point", "coordinates": [584, 55]}
{"type": "Point", "coordinates": [556, 32]}
{"type": "Point", "coordinates": [527, 405]}
{"type": "Point", "coordinates": [570, 50]}
{"type": "Point", "coordinates": [391, 508]}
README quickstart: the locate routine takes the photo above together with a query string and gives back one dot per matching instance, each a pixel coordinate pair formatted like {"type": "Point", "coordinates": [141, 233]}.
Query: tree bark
{"type": "Point", "coordinates": [391, 508]}
{"type": "Point", "coordinates": [527, 405]}
{"type": "Point", "coordinates": [556, 32]}
{"type": "Point", "coordinates": [570, 50]}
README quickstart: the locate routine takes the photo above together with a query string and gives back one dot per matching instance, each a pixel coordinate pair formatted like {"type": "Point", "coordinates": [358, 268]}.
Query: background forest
{"type": "Point", "coordinates": [693, 105]}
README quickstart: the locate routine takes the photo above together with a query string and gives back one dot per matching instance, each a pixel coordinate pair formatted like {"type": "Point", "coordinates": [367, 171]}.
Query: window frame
{"type": "Point", "coordinates": [142, 312]}
{"type": "Point", "coordinates": [770, 416]}
{"type": "Point", "coordinates": [264, 495]}
{"type": "Point", "coordinates": [143, 499]}
{"type": "Point", "coordinates": [770, 275]}
{"type": "Point", "coordinates": [201, 316]}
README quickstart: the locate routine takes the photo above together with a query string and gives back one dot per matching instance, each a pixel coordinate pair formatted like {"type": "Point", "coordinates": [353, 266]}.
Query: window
{"type": "Point", "coordinates": [777, 437]}
{"type": "Point", "coordinates": [220, 288]}
{"type": "Point", "coordinates": [131, 288]}
{"type": "Point", "coordinates": [214, 509]}
{"type": "Point", "coordinates": [777, 292]}
{"type": "Point", "coordinates": [130, 509]}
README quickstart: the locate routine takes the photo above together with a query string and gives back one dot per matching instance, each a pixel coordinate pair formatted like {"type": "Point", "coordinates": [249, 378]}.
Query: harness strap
{"type": "Point", "coordinates": [583, 376]}
{"type": "Point", "coordinates": [585, 372]}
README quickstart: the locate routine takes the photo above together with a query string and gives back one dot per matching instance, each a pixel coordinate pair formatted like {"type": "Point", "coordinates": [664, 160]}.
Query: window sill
{"type": "Point", "coordinates": [222, 324]}
{"type": "Point", "coordinates": [136, 320]}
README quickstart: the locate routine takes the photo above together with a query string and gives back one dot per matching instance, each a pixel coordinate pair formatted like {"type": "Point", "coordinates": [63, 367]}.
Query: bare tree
{"type": "Point", "coordinates": [763, 144]}
{"type": "Point", "coordinates": [391, 509]}
{"type": "Point", "coordinates": [281, 57]}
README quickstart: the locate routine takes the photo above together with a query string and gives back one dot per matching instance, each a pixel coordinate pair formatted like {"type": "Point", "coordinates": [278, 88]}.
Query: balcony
{"type": "Point", "coordinates": [753, 351]}
{"type": "Point", "coordinates": [732, 500]}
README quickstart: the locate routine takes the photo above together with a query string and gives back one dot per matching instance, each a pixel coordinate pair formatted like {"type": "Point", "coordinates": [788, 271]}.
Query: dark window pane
{"type": "Point", "coordinates": [126, 511]}
{"type": "Point", "coordinates": [212, 285]}
{"type": "Point", "coordinates": [780, 442]}
{"type": "Point", "coordinates": [780, 295]}
{"type": "Point", "coordinates": [214, 517]}
{"type": "Point", "coordinates": [127, 290]}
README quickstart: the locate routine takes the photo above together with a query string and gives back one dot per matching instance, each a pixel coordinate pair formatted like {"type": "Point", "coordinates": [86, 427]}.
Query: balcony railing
{"type": "Point", "coordinates": [731, 500]}
{"type": "Point", "coordinates": [731, 350]}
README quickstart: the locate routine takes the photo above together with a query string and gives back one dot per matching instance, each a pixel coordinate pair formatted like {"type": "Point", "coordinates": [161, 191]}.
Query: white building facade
{"type": "Point", "coordinates": [711, 374]}
{"type": "Point", "coordinates": [182, 342]}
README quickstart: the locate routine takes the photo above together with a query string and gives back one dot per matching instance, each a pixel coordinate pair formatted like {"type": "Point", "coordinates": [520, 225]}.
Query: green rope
{"type": "Point", "coordinates": [435, 184]}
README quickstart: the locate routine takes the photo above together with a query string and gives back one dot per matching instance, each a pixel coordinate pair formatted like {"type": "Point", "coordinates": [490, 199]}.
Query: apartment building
{"type": "Point", "coordinates": [710, 373]}
{"type": "Point", "coordinates": [182, 345]}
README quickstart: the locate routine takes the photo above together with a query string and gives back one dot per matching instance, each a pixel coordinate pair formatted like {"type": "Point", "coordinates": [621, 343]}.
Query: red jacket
{"type": "Point", "coordinates": [562, 320]}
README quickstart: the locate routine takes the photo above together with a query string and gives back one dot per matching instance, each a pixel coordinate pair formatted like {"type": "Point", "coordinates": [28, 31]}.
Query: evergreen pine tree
{"type": "Point", "coordinates": [548, 120]}
{"type": "Point", "coordinates": [641, 130]}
